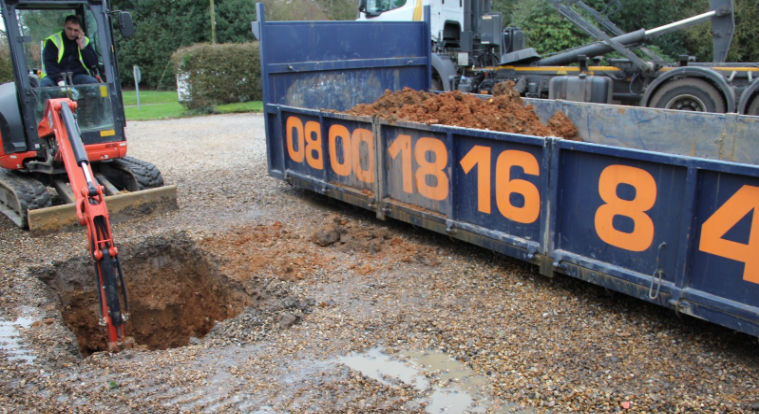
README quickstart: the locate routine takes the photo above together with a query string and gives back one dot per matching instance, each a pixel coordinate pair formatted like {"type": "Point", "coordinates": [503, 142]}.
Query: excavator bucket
{"type": "Point", "coordinates": [121, 207]}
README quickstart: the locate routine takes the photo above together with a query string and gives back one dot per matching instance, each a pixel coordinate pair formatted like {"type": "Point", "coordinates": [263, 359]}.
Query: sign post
{"type": "Point", "coordinates": [137, 78]}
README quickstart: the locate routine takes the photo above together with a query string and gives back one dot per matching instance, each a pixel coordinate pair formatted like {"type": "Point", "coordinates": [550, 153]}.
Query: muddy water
{"type": "Point", "coordinates": [10, 340]}
{"type": "Point", "coordinates": [452, 386]}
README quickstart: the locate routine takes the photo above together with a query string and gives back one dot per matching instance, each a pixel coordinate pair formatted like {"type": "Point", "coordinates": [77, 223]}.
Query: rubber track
{"type": "Point", "coordinates": [30, 194]}
{"type": "Point", "coordinates": [145, 173]}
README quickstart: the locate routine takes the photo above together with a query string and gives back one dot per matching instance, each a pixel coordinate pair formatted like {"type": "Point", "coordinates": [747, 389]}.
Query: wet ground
{"type": "Point", "coordinates": [257, 297]}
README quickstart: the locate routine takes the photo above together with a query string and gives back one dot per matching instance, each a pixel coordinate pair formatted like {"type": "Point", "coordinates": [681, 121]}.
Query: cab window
{"type": "Point", "coordinates": [380, 6]}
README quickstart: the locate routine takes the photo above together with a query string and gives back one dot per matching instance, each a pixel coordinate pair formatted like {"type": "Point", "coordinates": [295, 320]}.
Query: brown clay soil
{"type": "Point", "coordinates": [503, 112]}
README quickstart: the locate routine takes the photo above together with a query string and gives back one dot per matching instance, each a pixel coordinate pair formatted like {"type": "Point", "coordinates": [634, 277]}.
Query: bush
{"type": "Point", "coordinates": [219, 74]}
{"type": "Point", "coordinates": [6, 66]}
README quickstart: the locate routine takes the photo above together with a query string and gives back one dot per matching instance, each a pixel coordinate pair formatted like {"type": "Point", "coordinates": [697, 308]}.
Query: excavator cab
{"type": "Point", "coordinates": [100, 113]}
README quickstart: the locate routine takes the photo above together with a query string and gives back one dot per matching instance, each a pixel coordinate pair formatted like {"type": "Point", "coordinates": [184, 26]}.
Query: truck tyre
{"type": "Point", "coordinates": [689, 94]}
{"type": "Point", "coordinates": [753, 108]}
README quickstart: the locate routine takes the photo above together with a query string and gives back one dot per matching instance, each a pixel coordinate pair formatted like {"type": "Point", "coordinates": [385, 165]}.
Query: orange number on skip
{"type": "Point", "coordinates": [642, 235]}
{"type": "Point", "coordinates": [402, 146]}
{"type": "Point", "coordinates": [352, 152]}
{"type": "Point", "coordinates": [309, 144]}
{"type": "Point", "coordinates": [505, 186]}
{"type": "Point", "coordinates": [725, 218]}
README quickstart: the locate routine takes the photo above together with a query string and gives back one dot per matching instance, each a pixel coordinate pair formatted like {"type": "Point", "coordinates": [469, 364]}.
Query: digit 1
{"type": "Point", "coordinates": [402, 146]}
{"type": "Point", "coordinates": [480, 155]}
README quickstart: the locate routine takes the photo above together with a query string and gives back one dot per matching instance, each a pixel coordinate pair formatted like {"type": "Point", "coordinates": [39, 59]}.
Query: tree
{"type": "Point", "coordinates": [546, 30]}
{"type": "Point", "coordinates": [163, 26]}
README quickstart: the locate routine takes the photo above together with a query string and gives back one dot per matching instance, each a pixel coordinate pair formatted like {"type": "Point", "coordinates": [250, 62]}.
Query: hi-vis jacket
{"type": "Point", "coordinates": [64, 55]}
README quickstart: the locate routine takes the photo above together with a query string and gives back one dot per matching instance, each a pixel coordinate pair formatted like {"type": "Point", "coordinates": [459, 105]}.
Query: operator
{"type": "Point", "coordinates": [68, 51]}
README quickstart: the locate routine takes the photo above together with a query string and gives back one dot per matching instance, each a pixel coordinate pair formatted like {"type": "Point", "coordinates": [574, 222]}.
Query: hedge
{"type": "Point", "coordinates": [219, 74]}
{"type": "Point", "coordinates": [6, 66]}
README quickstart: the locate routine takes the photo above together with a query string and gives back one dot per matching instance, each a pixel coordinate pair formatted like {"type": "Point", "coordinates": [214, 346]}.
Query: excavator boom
{"type": "Point", "coordinates": [59, 124]}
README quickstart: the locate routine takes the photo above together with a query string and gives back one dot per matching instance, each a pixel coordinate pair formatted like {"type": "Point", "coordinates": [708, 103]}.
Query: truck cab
{"type": "Point", "coordinates": [447, 17]}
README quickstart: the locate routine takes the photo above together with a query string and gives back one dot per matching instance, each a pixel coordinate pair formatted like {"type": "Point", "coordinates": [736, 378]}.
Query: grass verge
{"type": "Point", "coordinates": [164, 105]}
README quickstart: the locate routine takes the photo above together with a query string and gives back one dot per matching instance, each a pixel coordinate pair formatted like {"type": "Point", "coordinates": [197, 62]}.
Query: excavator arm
{"type": "Point", "coordinates": [59, 124]}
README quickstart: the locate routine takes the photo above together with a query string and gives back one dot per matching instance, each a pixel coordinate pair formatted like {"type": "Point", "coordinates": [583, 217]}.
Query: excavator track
{"type": "Point", "coordinates": [145, 175]}
{"type": "Point", "coordinates": [19, 194]}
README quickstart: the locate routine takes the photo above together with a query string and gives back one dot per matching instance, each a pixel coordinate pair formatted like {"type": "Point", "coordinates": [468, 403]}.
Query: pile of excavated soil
{"type": "Point", "coordinates": [504, 112]}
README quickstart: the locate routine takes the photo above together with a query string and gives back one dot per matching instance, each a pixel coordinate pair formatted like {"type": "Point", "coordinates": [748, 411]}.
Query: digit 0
{"type": "Point", "coordinates": [294, 123]}
{"type": "Point", "coordinates": [309, 144]}
{"type": "Point", "coordinates": [642, 235]}
{"type": "Point", "coordinates": [340, 132]}
{"type": "Point", "coordinates": [351, 144]}
{"type": "Point", "coordinates": [362, 135]}
{"type": "Point", "coordinates": [725, 218]}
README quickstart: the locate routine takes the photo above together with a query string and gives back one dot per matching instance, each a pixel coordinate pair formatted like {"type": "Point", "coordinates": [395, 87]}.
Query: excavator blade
{"type": "Point", "coordinates": [120, 206]}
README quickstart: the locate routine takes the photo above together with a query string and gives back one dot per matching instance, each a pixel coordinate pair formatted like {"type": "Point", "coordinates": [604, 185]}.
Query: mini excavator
{"type": "Point", "coordinates": [63, 152]}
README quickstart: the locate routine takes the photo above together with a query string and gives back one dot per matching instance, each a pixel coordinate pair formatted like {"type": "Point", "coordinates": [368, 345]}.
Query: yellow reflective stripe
{"type": "Point", "coordinates": [418, 11]}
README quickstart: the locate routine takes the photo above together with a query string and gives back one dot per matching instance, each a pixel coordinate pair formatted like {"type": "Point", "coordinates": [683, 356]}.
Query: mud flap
{"type": "Point", "coordinates": [124, 205]}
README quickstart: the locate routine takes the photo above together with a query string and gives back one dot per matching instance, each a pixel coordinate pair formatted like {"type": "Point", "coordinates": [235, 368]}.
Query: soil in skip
{"type": "Point", "coordinates": [503, 112]}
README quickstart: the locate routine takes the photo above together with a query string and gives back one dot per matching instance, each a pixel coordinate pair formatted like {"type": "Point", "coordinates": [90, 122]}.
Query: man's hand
{"type": "Point", "coordinates": [80, 41]}
{"type": "Point", "coordinates": [61, 83]}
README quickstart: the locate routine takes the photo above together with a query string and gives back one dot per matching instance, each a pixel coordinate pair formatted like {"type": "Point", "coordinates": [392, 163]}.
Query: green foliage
{"type": "Point", "coordinates": [162, 27]}
{"type": "Point", "coordinates": [277, 10]}
{"type": "Point", "coordinates": [340, 9]}
{"type": "Point", "coordinates": [545, 29]}
{"type": "Point", "coordinates": [6, 66]}
{"type": "Point", "coordinates": [220, 74]}
{"type": "Point", "coordinates": [745, 46]}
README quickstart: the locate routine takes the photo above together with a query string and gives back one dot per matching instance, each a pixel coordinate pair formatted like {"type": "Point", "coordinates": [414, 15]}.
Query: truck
{"type": "Point", "coordinates": [657, 204]}
{"type": "Point", "coordinates": [471, 52]}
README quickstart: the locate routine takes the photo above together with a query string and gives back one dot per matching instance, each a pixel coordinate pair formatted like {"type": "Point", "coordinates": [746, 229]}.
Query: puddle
{"type": "Point", "coordinates": [377, 365]}
{"type": "Point", "coordinates": [10, 342]}
{"type": "Point", "coordinates": [174, 294]}
{"type": "Point", "coordinates": [452, 386]}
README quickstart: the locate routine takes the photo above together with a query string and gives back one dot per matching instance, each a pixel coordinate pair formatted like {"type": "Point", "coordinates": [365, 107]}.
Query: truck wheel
{"type": "Point", "coordinates": [689, 94]}
{"type": "Point", "coordinates": [753, 109]}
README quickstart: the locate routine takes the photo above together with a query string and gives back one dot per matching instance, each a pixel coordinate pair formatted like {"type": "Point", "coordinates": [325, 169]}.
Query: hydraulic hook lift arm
{"type": "Point", "coordinates": [59, 124]}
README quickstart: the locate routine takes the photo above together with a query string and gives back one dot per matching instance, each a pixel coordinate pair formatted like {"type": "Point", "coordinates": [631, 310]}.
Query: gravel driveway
{"type": "Point", "coordinates": [258, 297]}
